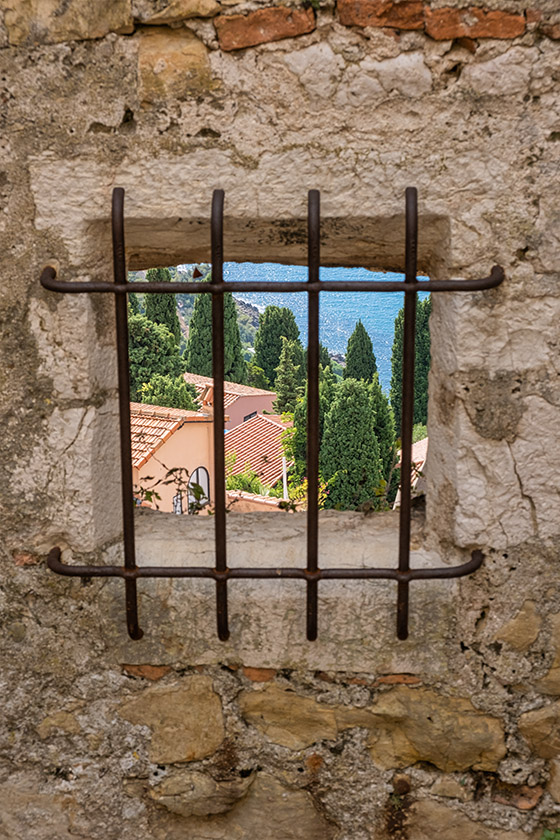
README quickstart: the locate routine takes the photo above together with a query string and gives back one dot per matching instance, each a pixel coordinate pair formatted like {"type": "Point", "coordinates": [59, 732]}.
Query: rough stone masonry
{"type": "Point", "coordinates": [454, 732]}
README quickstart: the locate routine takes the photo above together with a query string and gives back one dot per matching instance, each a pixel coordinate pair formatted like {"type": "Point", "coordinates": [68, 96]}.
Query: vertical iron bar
{"type": "Point", "coordinates": [409, 334]}
{"type": "Point", "coordinates": [217, 226]}
{"type": "Point", "coordinates": [313, 250]}
{"type": "Point", "coordinates": [119, 273]}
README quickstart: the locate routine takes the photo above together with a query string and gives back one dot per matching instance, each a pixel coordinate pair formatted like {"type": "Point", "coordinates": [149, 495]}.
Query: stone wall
{"type": "Point", "coordinates": [357, 736]}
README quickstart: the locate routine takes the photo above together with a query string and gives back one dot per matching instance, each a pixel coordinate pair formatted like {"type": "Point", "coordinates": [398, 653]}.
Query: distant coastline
{"type": "Point", "coordinates": [339, 311]}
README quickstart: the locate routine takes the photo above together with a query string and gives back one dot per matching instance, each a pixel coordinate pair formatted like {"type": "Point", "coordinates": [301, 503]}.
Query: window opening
{"type": "Point", "coordinates": [313, 286]}
{"type": "Point", "coordinates": [199, 489]}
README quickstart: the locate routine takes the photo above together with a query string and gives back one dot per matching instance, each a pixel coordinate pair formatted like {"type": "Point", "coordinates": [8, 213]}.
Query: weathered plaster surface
{"type": "Point", "coordinates": [142, 96]}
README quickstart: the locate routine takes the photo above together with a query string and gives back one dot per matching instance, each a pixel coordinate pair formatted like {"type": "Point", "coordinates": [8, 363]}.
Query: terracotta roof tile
{"type": "Point", "coordinates": [152, 425]}
{"type": "Point", "coordinates": [257, 444]}
{"type": "Point", "coordinates": [232, 390]}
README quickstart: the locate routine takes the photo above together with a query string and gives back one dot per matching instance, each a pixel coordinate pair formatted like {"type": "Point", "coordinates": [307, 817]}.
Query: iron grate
{"type": "Point", "coordinates": [312, 573]}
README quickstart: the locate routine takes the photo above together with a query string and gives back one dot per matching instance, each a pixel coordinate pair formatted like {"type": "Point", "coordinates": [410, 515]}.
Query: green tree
{"type": "Point", "coordinates": [198, 355]}
{"type": "Point", "coordinates": [162, 308]}
{"type": "Point", "coordinates": [170, 392]}
{"type": "Point", "coordinates": [134, 304]}
{"type": "Point", "coordinates": [296, 440]}
{"type": "Point", "coordinates": [349, 460]}
{"type": "Point", "coordinates": [152, 350]}
{"type": "Point", "coordinates": [360, 359]}
{"type": "Point", "coordinates": [274, 324]}
{"type": "Point", "coordinates": [384, 427]}
{"type": "Point", "coordinates": [421, 364]}
{"type": "Point", "coordinates": [324, 358]}
{"type": "Point", "coordinates": [256, 377]}
{"type": "Point", "coordinates": [288, 387]}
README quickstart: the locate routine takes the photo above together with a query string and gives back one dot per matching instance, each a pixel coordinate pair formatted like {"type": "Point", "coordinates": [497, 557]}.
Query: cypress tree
{"type": "Point", "coordinates": [288, 377]}
{"type": "Point", "coordinates": [172, 392]}
{"type": "Point", "coordinates": [198, 355]}
{"type": "Point", "coordinates": [360, 359]}
{"type": "Point", "coordinates": [298, 441]}
{"type": "Point", "coordinates": [384, 427]}
{"type": "Point", "coordinates": [160, 308]}
{"type": "Point", "coordinates": [421, 364]}
{"type": "Point", "coordinates": [152, 350]}
{"type": "Point", "coordinates": [349, 459]}
{"type": "Point", "coordinates": [134, 304]}
{"type": "Point", "coordinates": [274, 323]}
{"type": "Point", "coordinates": [256, 377]}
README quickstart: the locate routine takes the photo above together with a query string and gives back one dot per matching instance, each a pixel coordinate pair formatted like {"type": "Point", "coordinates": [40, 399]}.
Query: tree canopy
{"type": "Point", "coordinates": [170, 392]}
{"type": "Point", "coordinates": [360, 358]}
{"type": "Point", "coordinates": [152, 350]}
{"type": "Point", "coordinates": [349, 460]}
{"type": "Point", "coordinates": [274, 324]}
{"type": "Point", "coordinates": [162, 308]}
{"type": "Point", "coordinates": [198, 355]}
{"type": "Point", "coordinates": [288, 376]}
{"type": "Point", "coordinates": [384, 427]}
{"type": "Point", "coordinates": [421, 364]}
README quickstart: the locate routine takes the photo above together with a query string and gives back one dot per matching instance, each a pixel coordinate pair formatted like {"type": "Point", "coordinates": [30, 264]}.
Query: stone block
{"type": "Point", "coordinates": [58, 722]}
{"type": "Point", "coordinates": [448, 23]}
{"type": "Point", "coordinates": [411, 725]}
{"type": "Point", "coordinates": [157, 12]}
{"type": "Point", "coordinates": [270, 810]}
{"type": "Point", "coordinates": [236, 32]}
{"type": "Point", "coordinates": [432, 819]}
{"type": "Point", "coordinates": [172, 64]}
{"type": "Point", "coordinates": [550, 683]}
{"type": "Point", "coordinates": [553, 786]}
{"type": "Point", "coordinates": [190, 793]}
{"type": "Point", "coordinates": [287, 718]}
{"type": "Point", "coordinates": [541, 729]}
{"type": "Point", "coordinates": [523, 629]}
{"type": "Point", "coordinates": [406, 726]}
{"type": "Point", "coordinates": [185, 719]}
{"type": "Point", "coordinates": [407, 14]}
{"type": "Point", "coordinates": [50, 21]}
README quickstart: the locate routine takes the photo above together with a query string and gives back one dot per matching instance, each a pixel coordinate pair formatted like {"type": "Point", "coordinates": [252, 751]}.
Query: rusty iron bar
{"type": "Point", "coordinates": [121, 317]}
{"type": "Point", "coordinates": [49, 281]}
{"type": "Point", "coordinates": [312, 574]}
{"type": "Point", "coordinates": [266, 573]}
{"type": "Point", "coordinates": [218, 356]}
{"type": "Point", "coordinates": [407, 412]}
{"type": "Point", "coordinates": [313, 251]}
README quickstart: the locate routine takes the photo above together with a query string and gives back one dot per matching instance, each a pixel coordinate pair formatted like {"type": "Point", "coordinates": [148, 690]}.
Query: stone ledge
{"type": "Point", "coordinates": [267, 617]}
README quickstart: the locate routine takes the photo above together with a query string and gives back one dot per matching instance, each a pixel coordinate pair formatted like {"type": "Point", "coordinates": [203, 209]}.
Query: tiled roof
{"type": "Point", "coordinates": [257, 444]}
{"type": "Point", "coordinates": [419, 453]}
{"type": "Point", "coordinates": [152, 425]}
{"type": "Point", "coordinates": [232, 390]}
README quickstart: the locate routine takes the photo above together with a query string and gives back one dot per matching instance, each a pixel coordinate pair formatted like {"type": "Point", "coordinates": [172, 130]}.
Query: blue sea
{"type": "Point", "coordinates": [338, 311]}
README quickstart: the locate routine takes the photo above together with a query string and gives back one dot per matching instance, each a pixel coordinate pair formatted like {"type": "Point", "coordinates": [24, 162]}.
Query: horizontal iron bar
{"type": "Point", "coordinates": [56, 565]}
{"type": "Point", "coordinates": [496, 276]}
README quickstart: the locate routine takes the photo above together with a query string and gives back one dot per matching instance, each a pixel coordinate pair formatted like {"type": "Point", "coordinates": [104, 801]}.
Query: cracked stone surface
{"type": "Point", "coordinates": [138, 93]}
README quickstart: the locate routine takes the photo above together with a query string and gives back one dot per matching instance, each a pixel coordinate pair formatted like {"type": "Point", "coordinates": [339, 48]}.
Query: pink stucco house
{"type": "Point", "coordinates": [167, 438]}
{"type": "Point", "coordinates": [241, 401]}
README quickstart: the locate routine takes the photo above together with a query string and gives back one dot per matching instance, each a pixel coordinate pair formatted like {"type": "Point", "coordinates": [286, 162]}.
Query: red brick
{"type": "Point", "coordinates": [259, 674]}
{"type": "Point", "coordinates": [147, 672]}
{"type": "Point", "coordinates": [552, 30]}
{"type": "Point", "coordinates": [314, 762]}
{"type": "Point", "coordinates": [533, 15]}
{"type": "Point", "coordinates": [398, 679]}
{"type": "Point", "coordinates": [236, 32]}
{"type": "Point", "coordinates": [522, 797]}
{"type": "Point", "coordinates": [446, 24]}
{"type": "Point", "coordinates": [404, 15]}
